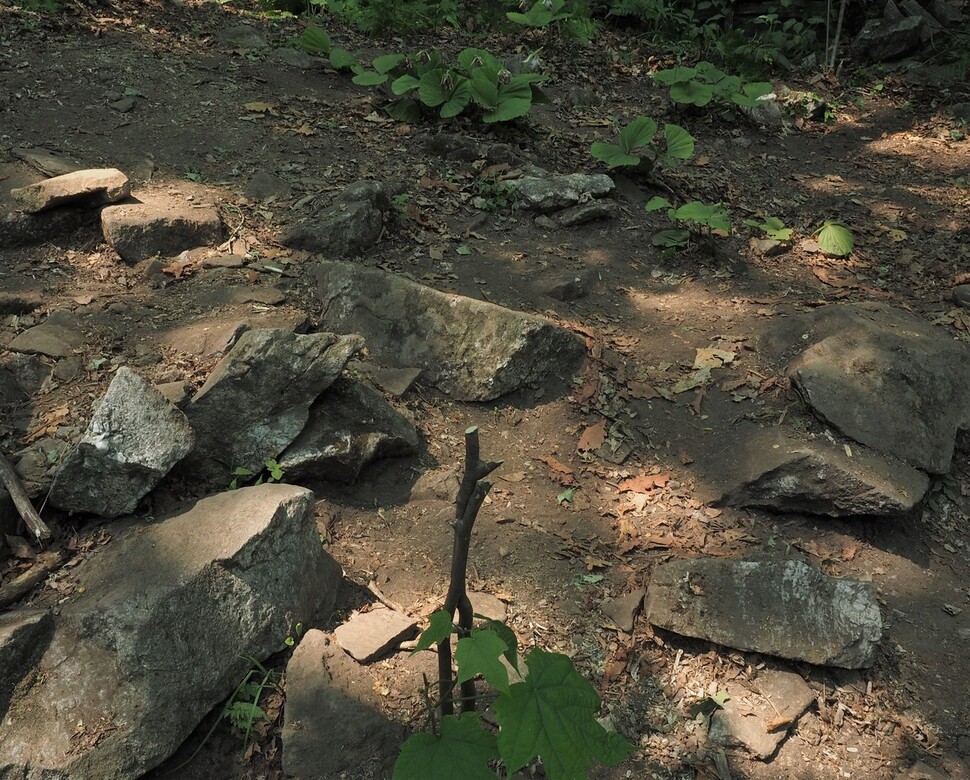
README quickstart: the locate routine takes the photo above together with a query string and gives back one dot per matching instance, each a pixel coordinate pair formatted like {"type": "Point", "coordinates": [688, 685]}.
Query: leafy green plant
{"type": "Point", "coordinates": [273, 473]}
{"type": "Point", "coordinates": [242, 709]}
{"type": "Point", "coordinates": [637, 147]}
{"type": "Point", "coordinates": [373, 17]}
{"type": "Point", "coordinates": [548, 715]}
{"type": "Point", "coordinates": [542, 14]}
{"type": "Point", "coordinates": [835, 238]}
{"type": "Point", "coordinates": [772, 227]}
{"type": "Point", "coordinates": [702, 218]}
{"type": "Point", "coordinates": [704, 83]}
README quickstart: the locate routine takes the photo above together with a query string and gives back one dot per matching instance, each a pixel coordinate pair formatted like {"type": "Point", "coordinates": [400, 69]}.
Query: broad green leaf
{"type": "Point", "coordinates": [612, 155]}
{"type": "Point", "coordinates": [692, 93]}
{"type": "Point", "coordinates": [462, 750]}
{"type": "Point", "coordinates": [387, 62]}
{"type": "Point", "coordinates": [836, 239]}
{"type": "Point", "coordinates": [671, 238]}
{"type": "Point", "coordinates": [514, 100]}
{"type": "Point", "coordinates": [369, 78]}
{"type": "Point", "coordinates": [461, 96]}
{"type": "Point", "coordinates": [712, 215]}
{"type": "Point", "coordinates": [471, 58]}
{"type": "Point", "coordinates": [315, 39]}
{"type": "Point", "coordinates": [552, 716]}
{"type": "Point", "coordinates": [404, 110]}
{"type": "Point", "coordinates": [439, 628]}
{"type": "Point", "coordinates": [479, 653]}
{"type": "Point", "coordinates": [656, 203]}
{"type": "Point", "coordinates": [679, 143]}
{"type": "Point", "coordinates": [775, 228]}
{"type": "Point", "coordinates": [757, 89]}
{"type": "Point", "coordinates": [463, 250]}
{"type": "Point", "coordinates": [742, 100]}
{"type": "Point", "coordinates": [484, 89]}
{"type": "Point", "coordinates": [508, 636]}
{"type": "Point", "coordinates": [639, 132]}
{"type": "Point", "coordinates": [341, 59]}
{"type": "Point", "coordinates": [430, 89]}
{"type": "Point", "coordinates": [674, 75]}
{"type": "Point", "coordinates": [567, 495]}
{"type": "Point", "coordinates": [404, 84]}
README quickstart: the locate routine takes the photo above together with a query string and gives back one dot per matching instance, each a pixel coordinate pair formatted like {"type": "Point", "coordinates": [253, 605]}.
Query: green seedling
{"type": "Point", "coordinates": [772, 227]}
{"type": "Point", "coordinates": [273, 472]}
{"type": "Point", "coordinates": [704, 83]}
{"type": "Point", "coordinates": [703, 218]}
{"type": "Point", "coordinates": [637, 146]}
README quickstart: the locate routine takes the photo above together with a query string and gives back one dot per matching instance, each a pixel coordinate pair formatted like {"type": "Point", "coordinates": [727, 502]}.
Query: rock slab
{"type": "Point", "coordinates": [350, 425]}
{"type": "Point", "coordinates": [781, 608]}
{"type": "Point", "coordinates": [24, 633]}
{"type": "Point", "coordinates": [257, 399]}
{"type": "Point", "coordinates": [888, 380]}
{"type": "Point", "coordinates": [818, 478]}
{"type": "Point", "coordinates": [57, 336]}
{"type": "Point", "coordinates": [134, 439]}
{"type": "Point", "coordinates": [168, 614]}
{"type": "Point", "coordinates": [546, 194]}
{"type": "Point", "coordinates": [325, 696]}
{"type": "Point", "coordinates": [159, 226]}
{"type": "Point", "coordinates": [369, 635]}
{"type": "Point", "coordinates": [472, 350]}
{"type": "Point", "coordinates": [91, 187]}
{"type": "Point", "coordinates": [351, 225]}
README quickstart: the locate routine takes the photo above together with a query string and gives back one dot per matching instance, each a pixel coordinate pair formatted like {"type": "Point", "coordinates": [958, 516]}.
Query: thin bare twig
{"type": "Point", "coordinates": [21, 501]}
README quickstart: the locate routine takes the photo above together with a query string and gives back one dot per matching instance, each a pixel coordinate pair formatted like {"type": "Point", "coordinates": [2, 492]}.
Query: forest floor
{"type": "Point", "coordinates": [207, 117]}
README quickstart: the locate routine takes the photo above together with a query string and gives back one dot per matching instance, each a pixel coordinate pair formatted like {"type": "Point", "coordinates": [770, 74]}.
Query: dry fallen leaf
{"type": "Point", "coordinates": [641, 390]}
{"type": "Point", "coordinates": [559, 471]}
{"type": "Point", "coordinates": [644, 483]}
{"type": "Point", "coordinates": [593, 437]}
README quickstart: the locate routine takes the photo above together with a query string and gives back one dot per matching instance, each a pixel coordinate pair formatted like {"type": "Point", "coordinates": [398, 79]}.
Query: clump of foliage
{"type": "Point", "coordinates": [477, 80]}
{"type": "Point", "coordinates": [703, 83]}
{"type": "Point", "coordinates": [550, 715]}
{"type": "Point", "coordinates": [695, 217]}
{"type": "Point", "coordinates": [772, 228]}
{"type": "Point", "coordinates": [637, 146]}
{"type": "Point", "coordinates": [243, 709]}
{"type": "Point", "coordinates": [373, 17]}
{"type": "Point", "coordinates": [575, 20]}
{"type": "Point", "coordinates": [273, 473]}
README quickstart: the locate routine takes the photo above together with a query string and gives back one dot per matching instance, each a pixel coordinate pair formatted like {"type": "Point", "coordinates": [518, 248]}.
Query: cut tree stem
{"type": "Point", "coordinates": [471, 495]}
{"type": "Point", "coordinates": [21, 501]}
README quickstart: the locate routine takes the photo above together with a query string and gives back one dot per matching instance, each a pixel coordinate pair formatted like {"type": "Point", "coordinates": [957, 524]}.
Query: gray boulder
{"type": "Point", "coordinates": [886, 379]}
{"type": "Point", "coordinates": [160, 633]}
{"type": "Point", "coordinates": [350, 426]}
{"type": "Point", "coordinates": [471, 350]}
{"type": "Point", "coordinates": [324, 695]}
{"type": "Point", "coordinates": [257, 399]}
{"type": "Point", "coordinates": [351, 225]}
{"type": "Point", "coordinates": [134, 439]}
{"type": "Point", "coordinates": [57, 336]}
{"type": "Point", "coordinates": [21, 375]}
{"type": "Point", "coordinates": [21, 229]}
{"type": "Point", "coordinates": [546, 194]}
{"type": "Point", "coordinates": [23, 635]}
{"type": "Point", "coordinates": [882, 40]}
{"type": "Point", "coordinates": [92, 187]}
{"type": "Point", "coordinates": [818, 478]}
{"type": "Point", "coordinates": [782, 608]}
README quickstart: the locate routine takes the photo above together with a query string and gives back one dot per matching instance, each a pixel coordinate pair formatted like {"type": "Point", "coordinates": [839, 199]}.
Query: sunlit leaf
{"type": "Point", "coordinates": [479, 653]}
{"type": "Point", "coordinates": [639, 132]}
{"type": "Point", "coordinates": [439, 628]}
{"type": "Point", "coordinates": [834, 238]}
{"type": "Point", "coordinates": [462, 750]}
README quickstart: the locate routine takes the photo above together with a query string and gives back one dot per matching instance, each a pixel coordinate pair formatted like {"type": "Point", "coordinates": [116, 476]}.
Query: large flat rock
{"type": "Point", "coordinates": [783, 608]}
{"type": "Point", "coordinates": [472, 350]}
{"type": "Point", "coordinates": [167, 616]}
{"type": "Point", "coordinates": [886, 379]}
{"type": "Point", "coordinates": [159, 225]}
{"type": "Point", "coordinates": [90, 187]}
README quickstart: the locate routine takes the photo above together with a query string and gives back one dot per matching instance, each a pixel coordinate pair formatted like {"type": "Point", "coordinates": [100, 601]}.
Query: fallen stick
{"type": "Point", "coordinates": [21, 501]}
{"type": "Point", "coordinates": [19, 587]}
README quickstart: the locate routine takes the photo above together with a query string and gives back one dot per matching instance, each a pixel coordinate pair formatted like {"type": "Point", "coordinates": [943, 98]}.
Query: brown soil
{"type": "Point", "coordinates": [887, 167]}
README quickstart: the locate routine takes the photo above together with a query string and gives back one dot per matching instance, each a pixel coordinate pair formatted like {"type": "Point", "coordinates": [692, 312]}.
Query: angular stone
{"type": "Point", "coordinates": [488, 605]}
{"type": "Point", "coordinates": [886, 379]}
{"type": "Point", "coordinates": [176, 393]}
{"type": "Point", "coordinates": [922, 771]}
{"type": "Point", "coordinates": [624, 610]}
{"type": "Point", "coordinates": [257, 399]}
{"type": "Point", "coordinates": [350, 426]}
{"type": "Point", "coordinates": [24, 634]}
{"type": "Point", "coordinates": [572, 287]}
{"type": "Point", "coordinates": [767, 247]}
{"type": "Point", "coordinates": [134, 439]}
{"type": "Point", "coordinates": [264, 186]}
{"type": "Point", "coordinates": [344, 231]}
{"type": "Point", "coordinates": [961, 295]}
{"type": "Point", "coordinates": [881, 40]}
{"type": "Point", "coordinates": [92, 187]}
{"type": "Point", "coordinates": [438, 485]}
{"type": "Point", "coordinates": [241, 36]}
{"type": "Point", "coordinates": [782, 608]}
{"type": "Point", "coordinates": [46, 162]}
{"type": "Point", "coordinates": [931, 27]}
{"type": "Point", "coordinates": [946, 12]}
{"type": "Point", "coordinates": [324, 695]}
{"type": "Point", "coordinates": [759, 713]}
{"type": "Point", "coordinates": [58, 336]}
{"type": "Point", "coordinates": [369, 635]}
{"type": "Point", "coordinates": [554, 193]}
{"type": "Point", "coordinates": [396, 381]}
{"type": "Point", "coordinates": [159, 225]}
{"type": "Point", "coordinates": [472, 350]}
{"type": "Point", "coordinates": [165, 620]}
{"type": "Point", "coordinates": [21, 376]}
{"type": "Point", "coordinates": [814, 477]}
{"type": "Point", "coordinates": [586, 212]}
{"type": "Point", "coordinates": [37, 464]}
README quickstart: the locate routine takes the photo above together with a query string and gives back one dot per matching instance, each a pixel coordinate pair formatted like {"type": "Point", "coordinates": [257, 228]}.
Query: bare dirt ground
{"type": "Point", "coordinates": [887, 166]}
